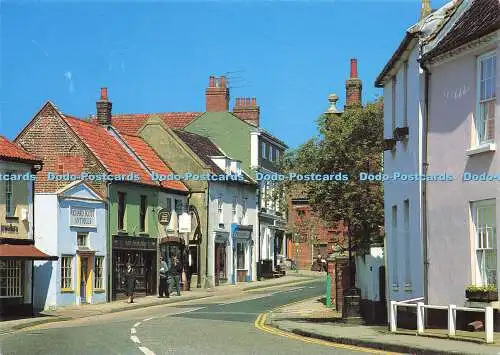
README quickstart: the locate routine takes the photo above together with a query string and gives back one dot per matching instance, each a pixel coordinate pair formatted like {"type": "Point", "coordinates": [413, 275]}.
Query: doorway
{"type": "Point", "coordinates": [220, 263]}
{"type": "Point", "coordinates": [83, 279]}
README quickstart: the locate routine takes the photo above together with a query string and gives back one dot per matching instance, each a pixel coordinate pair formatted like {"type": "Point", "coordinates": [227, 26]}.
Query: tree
{"type": "Point", "coordinates": [351, 143]}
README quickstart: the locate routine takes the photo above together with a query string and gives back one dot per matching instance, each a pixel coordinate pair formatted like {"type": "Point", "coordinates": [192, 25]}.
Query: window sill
{"type": "Point", "coordinates": [472, 304]}
{"type": "Point", "coordinates": [395, 288]}
{"type": "Point", "coordinates": [99, 290]}
{"type": "Point", "coordinates": [11, 218]}
{"type": "Point", "coordinates": [488, 147]}
{"type": "Point", "coordinates": [408, 288]}
{"type": "Point", "coordinates": [67, 290]}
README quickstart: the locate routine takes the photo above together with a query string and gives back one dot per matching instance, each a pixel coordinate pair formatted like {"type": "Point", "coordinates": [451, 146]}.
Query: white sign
{"type": "Point", "coordinates": [82, 217]}
{"type": "Point", "coordinates": [185, 223]}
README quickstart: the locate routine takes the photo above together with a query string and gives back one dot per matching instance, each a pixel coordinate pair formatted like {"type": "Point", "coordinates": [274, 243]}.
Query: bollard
{"type": "Point", "coordinates": [328, 291]}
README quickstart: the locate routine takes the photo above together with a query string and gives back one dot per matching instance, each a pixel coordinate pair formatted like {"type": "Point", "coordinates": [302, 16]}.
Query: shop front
{"type": "Point", "coordinates": [242, 252]}
{"type": "Point", "coordinates": [16, 276]}
{"type": "Point", "coordinates": [141, 253]}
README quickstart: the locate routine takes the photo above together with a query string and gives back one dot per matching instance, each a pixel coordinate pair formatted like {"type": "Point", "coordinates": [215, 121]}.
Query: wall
{"type": "Point", "coordinates": [47, 136]}
{"type": "Point", "coordinates": [22, 198]}
{"type": "Point", "coordinates": [228, 132]}
{"type": "Point", "coordinates": [46, 272]}
{"type": "Point", "coordinates": [452, 110]}
{"type": "Point", "coordinates": [367, 274]}
{"type": "Point", "coordinates": [406, 159]}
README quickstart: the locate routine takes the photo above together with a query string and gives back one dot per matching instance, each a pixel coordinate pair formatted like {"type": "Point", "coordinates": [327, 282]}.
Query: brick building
{"type": "Point", "coordinates": [309, 235]}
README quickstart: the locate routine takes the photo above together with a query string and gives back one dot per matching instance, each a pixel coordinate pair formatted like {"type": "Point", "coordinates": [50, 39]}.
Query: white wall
{"type": "Point", "coordinates": [405, 159]}
{"type": "Point", "coordinates": [367, 274]}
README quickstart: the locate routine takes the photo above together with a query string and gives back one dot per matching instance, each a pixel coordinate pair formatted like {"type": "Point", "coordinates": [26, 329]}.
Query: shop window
{"type": "Point", "coordinates": [143, 212]}
{"type": "Point", "coordinates": [178, 207]}
{"type": "Point", "coordinates": [99, 272]}
{"type": "Point", "coordinates": [67, 272]}
{"type": "Point", "coordinates": [11, 278]}
{"type": "Point", "coordinates": [240, 255]}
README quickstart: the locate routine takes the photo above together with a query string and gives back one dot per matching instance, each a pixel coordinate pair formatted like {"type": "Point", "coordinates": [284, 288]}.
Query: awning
{"type": "Point", "coordinates": [23, 252]}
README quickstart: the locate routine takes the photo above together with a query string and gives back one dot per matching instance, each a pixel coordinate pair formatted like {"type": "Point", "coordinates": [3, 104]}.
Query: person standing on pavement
{"type": "Point", "coordinates": [176, 274]}
{"type": "Point", "coordinates": [163, 291]}
{"type": "Point", "coordinates": [130, 277]}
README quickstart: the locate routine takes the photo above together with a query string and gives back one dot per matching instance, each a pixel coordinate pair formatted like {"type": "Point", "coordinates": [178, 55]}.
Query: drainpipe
{"type": "Point", "coordinates": [207, 232]}
{"type": "Point", "coordinates": [425, 166]}
{"type": "Point", "coordinates": [109, 243]}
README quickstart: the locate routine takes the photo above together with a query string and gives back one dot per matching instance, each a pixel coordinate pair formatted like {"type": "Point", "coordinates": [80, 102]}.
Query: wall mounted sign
{"type": "Point", "coordinates": [9, 228]}
{"type": "Point", "coordinates": [164, 216]}
{"type": "Point", "coordinates": [82, 217]}
{"type": "Point", "coordinates": [134, 243]}
{"type": "Point", "coordinates": [185, 223]}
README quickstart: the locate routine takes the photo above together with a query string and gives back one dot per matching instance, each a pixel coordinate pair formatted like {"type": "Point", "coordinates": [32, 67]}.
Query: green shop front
{"type": "Point", "coordinates": [140, 252]}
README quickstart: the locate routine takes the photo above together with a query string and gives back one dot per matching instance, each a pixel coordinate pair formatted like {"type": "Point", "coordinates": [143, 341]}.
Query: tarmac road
{"type": "Point", "coordinates": [218, 325]}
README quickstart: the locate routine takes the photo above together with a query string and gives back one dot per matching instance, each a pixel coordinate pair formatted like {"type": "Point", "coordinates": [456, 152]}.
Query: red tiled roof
{"type": "Point", "coordinates": [10, 151]}
{"type": "Point", "coordinates": [131, 123]}
{"type": "Point", "coordinates": [108, 150]}
{"type": "Point", "coordinates": [152, 160]}
{"type": "Point", "coordinates": [25, 252]}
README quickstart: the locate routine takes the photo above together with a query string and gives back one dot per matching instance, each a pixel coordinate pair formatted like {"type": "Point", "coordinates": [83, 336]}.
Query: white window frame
{"type": "Point", "coordinates": [271, 149]}
{"type": "Point", "coordinates": [393, 106]}
{"type": "Point", "coordinates": [99, 273]}
{"type": "Point", "coordinates": [263, 149]}
{"type": "Point", "coordinates": [406, 229]}
{"type": "Point", "coordinates": [11, 277]}
{"type": "Point", "coordinates": [66, 264]}
{"type": "Point", "coordinates": [482, 135]}
{"type": "Point", "coordinates": [86, 236]}
{"type": "Point", "coordinates": [220, 209]}
{"type": "Point", "coordinates": [394, 243]}
{"type": "Point", "coordinates": [10, 208]}
{"type": "Point", "coordinates": [484, 241]}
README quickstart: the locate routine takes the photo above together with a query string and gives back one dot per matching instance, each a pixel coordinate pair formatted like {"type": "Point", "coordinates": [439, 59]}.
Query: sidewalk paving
{"type": "Point", "coordinates": [89, 310]}
{"type": "Point", "coordinates": [312, 319]}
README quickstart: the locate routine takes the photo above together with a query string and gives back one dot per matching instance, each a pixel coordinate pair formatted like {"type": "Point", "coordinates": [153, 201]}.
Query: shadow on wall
{"type": "Point", "coordinates": [43, 274]}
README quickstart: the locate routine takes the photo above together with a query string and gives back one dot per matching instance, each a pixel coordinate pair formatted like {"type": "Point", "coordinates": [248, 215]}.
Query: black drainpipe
{"type": "Point", "coordinates": [207, 232]}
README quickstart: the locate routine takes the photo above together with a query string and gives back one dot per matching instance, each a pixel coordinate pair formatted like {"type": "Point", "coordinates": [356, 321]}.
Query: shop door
{"type": "Point", "coordinates": [83, 279]}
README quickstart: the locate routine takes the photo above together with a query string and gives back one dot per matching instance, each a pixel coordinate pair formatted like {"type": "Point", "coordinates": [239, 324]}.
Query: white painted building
{"type": "Point", "coordinates": [232, 225]}
{"type": "Point", "coordinates": [71, 223]}
{"type": "Point", "coordinates": [402, 80]}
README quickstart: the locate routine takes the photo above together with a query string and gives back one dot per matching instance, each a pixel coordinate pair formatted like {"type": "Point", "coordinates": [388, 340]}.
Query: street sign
{"type": "Point", "coordinates": [164, 216]}
{"type": "Point", "coordinates": [185, 223]}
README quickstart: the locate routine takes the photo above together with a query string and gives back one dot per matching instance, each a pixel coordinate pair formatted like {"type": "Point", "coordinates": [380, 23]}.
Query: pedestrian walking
{"type": "Point", "coordinates": [163, 291]}
{"type": "Point", "coordinates": [176, 274]}
{"type": "Point", "coordinates": [130, 277]}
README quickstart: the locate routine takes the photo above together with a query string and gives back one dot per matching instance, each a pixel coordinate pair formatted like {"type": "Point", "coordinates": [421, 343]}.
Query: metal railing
{"type": "Point", "coordinates": [452, 316]}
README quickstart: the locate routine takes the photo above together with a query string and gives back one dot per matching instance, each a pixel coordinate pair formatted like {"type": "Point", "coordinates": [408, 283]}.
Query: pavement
{"type": "Point", "coordinates": [90, 310]}
{"type": "Point", "coordinates": [310, 318]}
{"type": "Point", "coordinates": [221, 324]}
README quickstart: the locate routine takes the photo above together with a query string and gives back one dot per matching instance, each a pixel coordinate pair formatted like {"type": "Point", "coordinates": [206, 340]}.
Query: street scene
{"type": "Point", "coordinates": [251, 177]}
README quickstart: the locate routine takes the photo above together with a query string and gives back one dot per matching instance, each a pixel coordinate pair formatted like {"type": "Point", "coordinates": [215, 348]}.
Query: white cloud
{"type": "Point", "coordinates": [69, 76]}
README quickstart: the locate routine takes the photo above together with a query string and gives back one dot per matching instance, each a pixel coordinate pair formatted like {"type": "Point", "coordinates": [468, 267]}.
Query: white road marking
{"type": "Point", "coordinates": [137, 324]}
{"type": "Point", "coordinates": [135, 339]}
{"type": "Point", "coordinates": [132, 331]}
{"type": "Point", "coordinates": [247, 299]}
{"type": "Point", "coordinates": [147, 319]}
{"type": "Point", "coordinates": [188, 311]}
{"type": "Point", "coordinates": [312, 287]}
{"type": "Point", "coordinates": [293, 289]}
{"type": "Point", "coordinates": [146, 350]}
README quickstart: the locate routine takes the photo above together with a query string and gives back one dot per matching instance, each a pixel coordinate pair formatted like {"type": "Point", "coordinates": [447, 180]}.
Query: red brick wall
{"type": "Point", "coordinates": [48, 137]}
{"type": "Point", "coordinates": [303, 221]}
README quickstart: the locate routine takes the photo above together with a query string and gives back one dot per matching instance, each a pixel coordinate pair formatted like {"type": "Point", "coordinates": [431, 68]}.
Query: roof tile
{"type": "Point", "coordinates": [131, 123]}
{"type": "Point", "coordinates": [11, 151]}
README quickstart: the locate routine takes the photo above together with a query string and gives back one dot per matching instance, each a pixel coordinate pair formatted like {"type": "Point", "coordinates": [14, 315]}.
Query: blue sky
{"type": "Point", "coordinates": [157, 56]}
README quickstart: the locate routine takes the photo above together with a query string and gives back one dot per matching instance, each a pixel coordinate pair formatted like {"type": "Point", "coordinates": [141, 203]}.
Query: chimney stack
{"type": "Point", "coordinates": [104, 108]}
{"type": "Point", "coordinates": [425, 9]}
{"type": "Point", "coordinates": [246, 108]}
{"type": "Point", "coordinates": [353, 87]}
{"type": "Point", "coordinates": [217, 95]}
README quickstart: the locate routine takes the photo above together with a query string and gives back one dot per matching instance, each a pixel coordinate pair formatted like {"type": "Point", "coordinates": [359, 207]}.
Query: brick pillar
{"type": "Point", "coordinates": [341, 281]}
{"type": "Point", "coordinates": [333, 286]}
{"type": "Point", "coordinates": [353, 87]}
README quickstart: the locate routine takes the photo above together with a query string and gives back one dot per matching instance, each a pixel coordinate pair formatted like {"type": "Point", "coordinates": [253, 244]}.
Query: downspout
{"type": "Point", "coordinates": [109, 243]}
{"type": "Point", "coordinates": [425, 166]}
{"type": "Point", "coordinates": [207, 232]}
{"type": "Point", "coordinates": [34, 171]}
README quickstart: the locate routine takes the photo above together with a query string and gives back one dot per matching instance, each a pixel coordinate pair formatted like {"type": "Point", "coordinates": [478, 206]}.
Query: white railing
{"type": "Point", "coordinates": [452, 316]}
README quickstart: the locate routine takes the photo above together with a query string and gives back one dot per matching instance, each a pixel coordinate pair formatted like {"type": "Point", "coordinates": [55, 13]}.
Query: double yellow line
{"type": "Point", "coordinates": [260, 323]}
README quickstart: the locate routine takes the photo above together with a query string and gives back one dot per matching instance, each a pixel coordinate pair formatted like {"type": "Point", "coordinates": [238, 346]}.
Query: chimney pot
{"type": "Point", "coordinates": [254, 101]}
{"type": "Point", "coordinates": [247, 102]}
{"type": "Point", "coordinates": [104, 94]}
{"type": "Point", "coordinates": [354, 68]}
{"type": "Point", "coordinates": [223, 81]}
{"type": "Point", "coordinates": [211, 82]}
{"type": "Point", "coordinates": [217, 95]}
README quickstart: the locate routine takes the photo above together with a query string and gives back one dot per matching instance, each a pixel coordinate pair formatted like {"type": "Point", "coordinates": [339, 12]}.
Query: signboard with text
{"type": "Point", "coordinates": [185, 223]}
{"type": "Point", "coordinates": [82, 217]}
